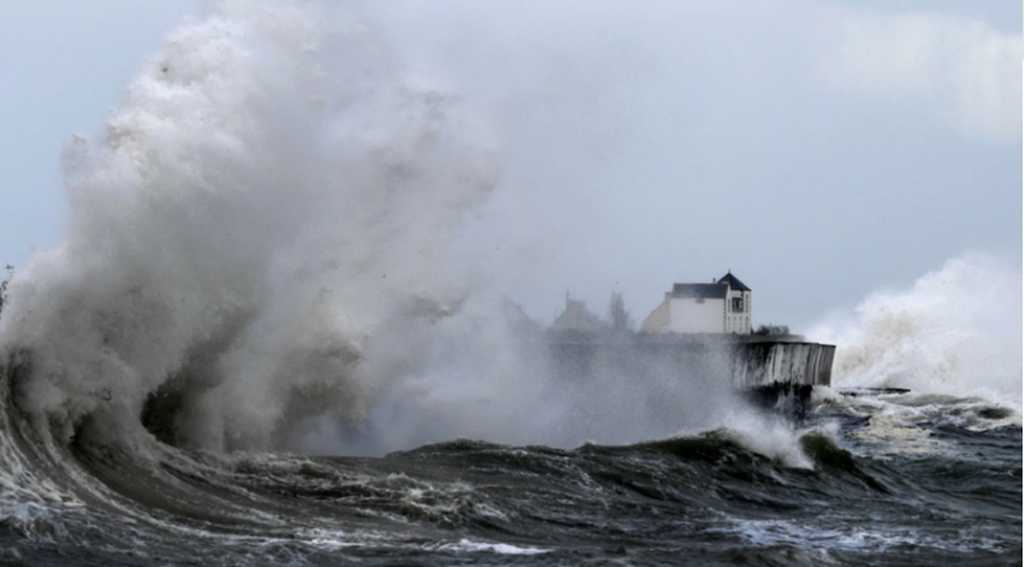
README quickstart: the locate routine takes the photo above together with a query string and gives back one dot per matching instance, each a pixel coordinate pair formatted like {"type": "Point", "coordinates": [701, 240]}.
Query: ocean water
{"type": "Point", "coordinates": [869, 478]}
{"type": "Point", "coordinates": [260, 343]}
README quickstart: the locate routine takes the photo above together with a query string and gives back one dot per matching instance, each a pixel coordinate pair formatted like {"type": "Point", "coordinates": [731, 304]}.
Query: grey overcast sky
{"type": "Point", "coordinates": [821, 150]}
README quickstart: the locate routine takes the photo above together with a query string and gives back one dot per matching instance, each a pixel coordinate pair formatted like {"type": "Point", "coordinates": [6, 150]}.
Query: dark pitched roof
{"type": "Point", "coordinates": [733, 282]}
{"type": "Point", "coordinates": [702, 290]}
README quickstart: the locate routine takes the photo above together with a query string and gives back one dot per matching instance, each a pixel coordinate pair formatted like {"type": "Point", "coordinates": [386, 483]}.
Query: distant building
{"type": "Point", "coordinates": [719, 307]}
{"type": "Point", "coordinates": [576, 317]}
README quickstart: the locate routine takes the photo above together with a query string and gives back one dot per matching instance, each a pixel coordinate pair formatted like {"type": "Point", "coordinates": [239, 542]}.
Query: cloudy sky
{"type": "Point", "coordinates": [821, 150]}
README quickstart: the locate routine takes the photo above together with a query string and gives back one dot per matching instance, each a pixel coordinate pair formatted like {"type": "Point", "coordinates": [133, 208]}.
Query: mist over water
{"type": "Point", "coordinates": [264, 251]}
{"type": "Point", "coordinates": [272, 194]}
{"type": "Point", "coordinates": [261, 255]}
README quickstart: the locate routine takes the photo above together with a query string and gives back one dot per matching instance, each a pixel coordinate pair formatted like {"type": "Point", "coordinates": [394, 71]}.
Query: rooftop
{"type": "Point", "coordinates": [733, 282]}
{"type": "Point", "coordinates": [699, 290]}
{"type": "Point", "coordinates": [709, 290]}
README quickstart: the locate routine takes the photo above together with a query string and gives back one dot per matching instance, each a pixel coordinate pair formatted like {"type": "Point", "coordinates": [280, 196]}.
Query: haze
{"type": "Point", "coordinates": [819, 150]}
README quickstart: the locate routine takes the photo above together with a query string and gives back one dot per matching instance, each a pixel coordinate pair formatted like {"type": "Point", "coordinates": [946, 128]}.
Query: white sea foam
{"type": "Point", "coordinates": [854, 538]}
{"type": "Point", "coordinates": [771, 435]}
{"type": "Point", "coordinates": [335, 540]}
{"type": "Point", "coordinates": [471, 546]}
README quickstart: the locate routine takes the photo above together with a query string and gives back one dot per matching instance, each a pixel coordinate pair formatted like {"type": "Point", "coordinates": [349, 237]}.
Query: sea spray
{"type": "Point", "coordinates": [261, 255]}
{"type": "Point", "coordinates": [955, 331]}
{"type": "Point", "coordinates": [272, 192]}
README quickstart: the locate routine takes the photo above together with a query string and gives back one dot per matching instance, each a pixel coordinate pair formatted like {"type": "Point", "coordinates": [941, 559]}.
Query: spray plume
{"type": "Point", "coordinates": [956, 331]}
{"type": "Point", "coordinates": [261, 255]}
{"type": "Point", "coordinates": [270, 194]}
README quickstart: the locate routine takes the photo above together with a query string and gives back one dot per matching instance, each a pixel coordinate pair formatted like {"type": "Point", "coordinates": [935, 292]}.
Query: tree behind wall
{"type": "Point", "coordinates": [620, 319]}
{"type": "Point", "coordinates": [3, 286]}
{"type": "Point", "coordinates": [772, 330]}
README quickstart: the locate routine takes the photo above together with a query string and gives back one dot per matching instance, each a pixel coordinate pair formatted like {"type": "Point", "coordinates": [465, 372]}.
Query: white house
{"type": "Point", "coordinates": [719, 307]}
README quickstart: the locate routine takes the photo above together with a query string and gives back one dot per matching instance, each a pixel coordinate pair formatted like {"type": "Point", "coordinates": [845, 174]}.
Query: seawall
{"type": "Point", "coordinates": [747, 362]}
{"type": "Point", "coordinates": [763, 363]}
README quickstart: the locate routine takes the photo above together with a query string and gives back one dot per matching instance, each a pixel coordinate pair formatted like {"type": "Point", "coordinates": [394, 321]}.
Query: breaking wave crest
{"type": "Point", "coordinates": [268, 213]}
{"type": "Point", "coordinates": [956, 332]}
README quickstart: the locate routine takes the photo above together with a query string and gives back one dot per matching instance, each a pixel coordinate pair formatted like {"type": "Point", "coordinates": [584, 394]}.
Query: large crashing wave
{"type": "Point", "coordinates": [956, 331]}
{"type": "Point", "coordinates": [262, 254]}
{"type": "Point", "coordinates": [272, 193]}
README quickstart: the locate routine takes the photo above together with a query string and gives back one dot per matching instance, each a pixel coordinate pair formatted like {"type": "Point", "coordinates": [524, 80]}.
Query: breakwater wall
{"type": "Point", "coordinates": [763, 363]}
{"type": "Point", "coordinates": [746, 362]}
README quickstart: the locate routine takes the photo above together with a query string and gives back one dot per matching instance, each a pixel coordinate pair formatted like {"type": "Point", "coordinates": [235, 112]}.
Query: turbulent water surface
{"type": "Point", "coordinates": [267, 258]}
{"type": "Point", "coordinates": [870, 476]}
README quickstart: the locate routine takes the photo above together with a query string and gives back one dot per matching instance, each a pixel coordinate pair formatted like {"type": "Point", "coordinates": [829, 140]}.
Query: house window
{"type": "Point", "coordinates": [737, 305]}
